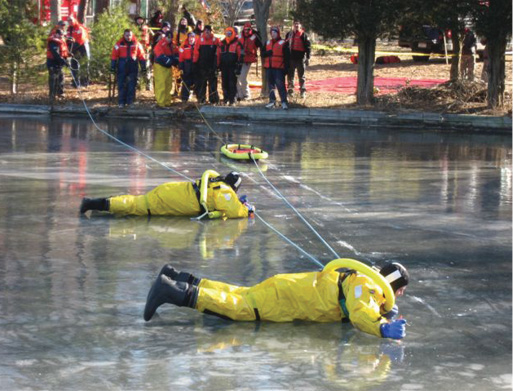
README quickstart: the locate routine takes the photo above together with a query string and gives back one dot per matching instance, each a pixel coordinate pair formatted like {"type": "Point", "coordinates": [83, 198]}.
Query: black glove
{"type": "Point", "coordinates": [307, 62]}
{"type": "Point", "coordinates": [238, 69]}
{"type": "Point", "coordinates": [268, 53]}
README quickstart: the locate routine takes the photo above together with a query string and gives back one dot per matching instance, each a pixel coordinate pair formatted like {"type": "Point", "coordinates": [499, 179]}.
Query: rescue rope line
{"type": "Point", "coordinates": [118, 140]}
{"type": "Point", "coordinates": [294, 209]}
{"type": "Point", "coordinates": [289, 241]}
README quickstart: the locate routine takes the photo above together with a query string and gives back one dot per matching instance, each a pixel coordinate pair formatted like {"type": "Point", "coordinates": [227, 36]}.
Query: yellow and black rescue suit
{"type": "Point", "coordinates": [180, 199]}
{"type": "Point", "coordinates": [314, 296]}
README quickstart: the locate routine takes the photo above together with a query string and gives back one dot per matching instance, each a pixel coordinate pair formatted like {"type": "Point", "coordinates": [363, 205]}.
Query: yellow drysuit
{"type": "Point", "coordinates": [163, 84]}
{"type": "Point", "coordinates": [312, 296]}
{"type": "Point", "coordinates": [180, 199]}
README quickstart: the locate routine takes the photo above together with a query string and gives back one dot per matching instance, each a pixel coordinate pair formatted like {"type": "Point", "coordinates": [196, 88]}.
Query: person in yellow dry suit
{"type": "Point", "coordinates": [178, 199]}
{"type": "Point", "coordinates": [325, 296]}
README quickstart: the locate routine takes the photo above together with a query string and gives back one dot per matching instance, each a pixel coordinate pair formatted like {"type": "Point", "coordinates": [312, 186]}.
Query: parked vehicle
{"type": "Point", "coordinates": [424, 40]}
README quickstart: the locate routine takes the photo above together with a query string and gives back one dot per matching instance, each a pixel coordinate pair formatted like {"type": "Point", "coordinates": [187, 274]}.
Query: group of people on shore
{"type": "Point", "coordinates": [185, 62]}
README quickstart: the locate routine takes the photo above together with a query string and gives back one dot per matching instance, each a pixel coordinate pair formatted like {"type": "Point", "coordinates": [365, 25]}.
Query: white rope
{"type": "Point", "coordinates": [118, 140]}
{"type": "Point", "coordinates": [294, 209]}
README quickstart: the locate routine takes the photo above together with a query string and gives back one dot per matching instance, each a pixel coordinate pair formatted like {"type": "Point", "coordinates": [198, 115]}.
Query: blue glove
{"type": "Point", "coordinates": [394, 330]}
{"type": "Point", "coordinates": [243, 199]}
{"type": "Point", "coordinates": [392, 313]}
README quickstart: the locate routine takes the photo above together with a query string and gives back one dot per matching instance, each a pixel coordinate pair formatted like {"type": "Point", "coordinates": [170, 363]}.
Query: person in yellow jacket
{"type": "Point", "coordinates": [325, 296]}
{"type": "Point", "coordinates": [178, 199]}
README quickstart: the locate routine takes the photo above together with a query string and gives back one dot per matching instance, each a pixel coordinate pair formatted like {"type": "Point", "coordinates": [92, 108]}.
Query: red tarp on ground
{"type": "Point", "coordinates": [386, 85]}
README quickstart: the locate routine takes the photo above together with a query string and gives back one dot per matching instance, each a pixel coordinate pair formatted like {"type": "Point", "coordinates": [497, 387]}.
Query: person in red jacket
{"type": "Point", "coordinates": [56, 54]}
{"type": "Point", "coordinates": [276, 63]}
{"type": "Point", "coordinates": [251, 43]}
{"type": "Point", "coordinates": [127, 54]}
{"type": "Point", "coordinates": [166, 56]}
{"type": "Point", "coordinates": [78, 47]}
{"type": "Point", "coordinates": [146, 37]}
{"type": "Point", "coordinates": [300, 49]}
{"type": "Point", "coordinates": [205, 64]}
{"type": "Point", "coordinates": [229, 60]}
{"type": "Point", "coordinates": [185, 64]}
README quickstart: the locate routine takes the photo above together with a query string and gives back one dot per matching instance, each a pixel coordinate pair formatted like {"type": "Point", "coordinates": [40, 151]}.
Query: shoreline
{"type": "Point", "coordinates": [367, 118]}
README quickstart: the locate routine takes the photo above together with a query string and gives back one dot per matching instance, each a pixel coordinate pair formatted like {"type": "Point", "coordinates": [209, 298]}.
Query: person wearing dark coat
{"type": "Point", "coordinates": [229, 62]}
{"type": "Point", "coordinates": [205, 66]}
{"type": "Point", "coordinates": [56, 55]}
{"type": "Point", "coordinates": [300, 50]}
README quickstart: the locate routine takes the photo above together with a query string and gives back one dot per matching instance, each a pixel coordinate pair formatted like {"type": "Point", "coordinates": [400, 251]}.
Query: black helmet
{"type": "Point", "coordinates": [396, 274]}
{"type": "Point", "coordinates": [166, 24]}
{"type": "Point", "coordinates": [233, 179]}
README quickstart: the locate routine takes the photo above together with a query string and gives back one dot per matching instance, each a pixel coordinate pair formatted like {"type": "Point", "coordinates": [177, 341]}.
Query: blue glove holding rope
{"type": "Point", "coordinates": [243, 199]}
{"type": "Point", "coordinates": [392, 313]}
{"type": "Point", "coordinates": [394, 330]}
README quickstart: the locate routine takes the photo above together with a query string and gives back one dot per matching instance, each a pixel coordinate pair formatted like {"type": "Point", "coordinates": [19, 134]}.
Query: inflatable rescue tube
{"type": "Point", "coordinates": [243, 152]}
{"type": "Point", "coordinates": [369, 272]}
{"type": "Point", "coordinates": [204, 191]}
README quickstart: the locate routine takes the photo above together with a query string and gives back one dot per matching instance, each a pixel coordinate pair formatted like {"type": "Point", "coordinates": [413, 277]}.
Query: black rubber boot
{"type": "Point", "coordinates": [101, 204]}
{"type": "Point", "coordinates": [165, 290]}
{"type": "Point", "coordinates": [175, 275]}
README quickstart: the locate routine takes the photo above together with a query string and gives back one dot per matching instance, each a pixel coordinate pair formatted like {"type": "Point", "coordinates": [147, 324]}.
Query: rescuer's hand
{"type": "Point", "coordinates": [394, 330]}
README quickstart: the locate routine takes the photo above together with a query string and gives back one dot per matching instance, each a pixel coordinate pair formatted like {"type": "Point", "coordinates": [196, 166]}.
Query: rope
{"type": "Point", "coordinates": [118, 140]}
{"type": "Point", "coordinates": [289, 241]}
{"type": "Point", "coordinates": [294, 209]}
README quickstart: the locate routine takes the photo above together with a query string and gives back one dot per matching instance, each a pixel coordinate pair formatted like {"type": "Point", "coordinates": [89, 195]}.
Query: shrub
{"type": "Point", "coordinates": [23, 43]}
{"type": "Point", "coordinates": [105, 32]}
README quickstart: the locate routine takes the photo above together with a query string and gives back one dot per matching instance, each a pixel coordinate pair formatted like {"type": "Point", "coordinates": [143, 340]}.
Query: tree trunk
{"type": "Point", "coordinates": [497, 73]}
{"type": "Point", "coordinates": [261, 8]}
{"type": "Point", "coordinates": [82, 10]}
{"type": "Point", "coordinates": [138, 7]}
{"type": "Point", "coordinates": [101, 5]}
{"type": "Point", "coordinates": [55, 10]}
{"type": "Point", "coordinates": [365, 86]}
{"type": "Point", "coordinates": [455, 61]}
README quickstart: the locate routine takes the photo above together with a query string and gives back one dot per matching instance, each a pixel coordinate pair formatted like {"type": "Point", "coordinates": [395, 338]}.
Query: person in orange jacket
{"type": "Point", "coordinates": [56, 55]}
{"type": "Point", "coordinates": [78, 47]}
{"type": "Point", "coordinates": [179, 38]}
{"type": "Point", "coordinates": [165, 56]}
{"type": "Point", "coordinates": [146, 37]}
{"type": "Point", "coordinates": [276, 63]}
{"type": "Point", "coordinates": [127, 55]}
{"type": "Point", "coordinates": [300, 49]}
{"type": "Point", "coordinates": [185, 64]}
{"type": "Point", "coordinates": [61, 25]}
{"type": "Point", "coordinates": [229, 61]}
{"type": "Point", "coordinates": [251, 43]}
{"type": "Point", "coordinates": [205, 65]}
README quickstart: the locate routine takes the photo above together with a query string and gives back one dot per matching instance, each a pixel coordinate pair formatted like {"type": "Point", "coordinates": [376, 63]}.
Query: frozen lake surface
{"type": "Point", "coordinates": [73, 288]}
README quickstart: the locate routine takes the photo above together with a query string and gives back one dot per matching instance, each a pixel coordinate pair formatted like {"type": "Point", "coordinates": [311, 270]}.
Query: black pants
{"type": "Point", "coordinates": [298, 64]}
{"type": "Point", "coordinates": [207, 79]}
{"type": "Point", "coordinates": [55, 81]}
{"type": "Point", "coordinates": [229, 83]}
{"type": "Point", "coordinates": [187, 86]}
